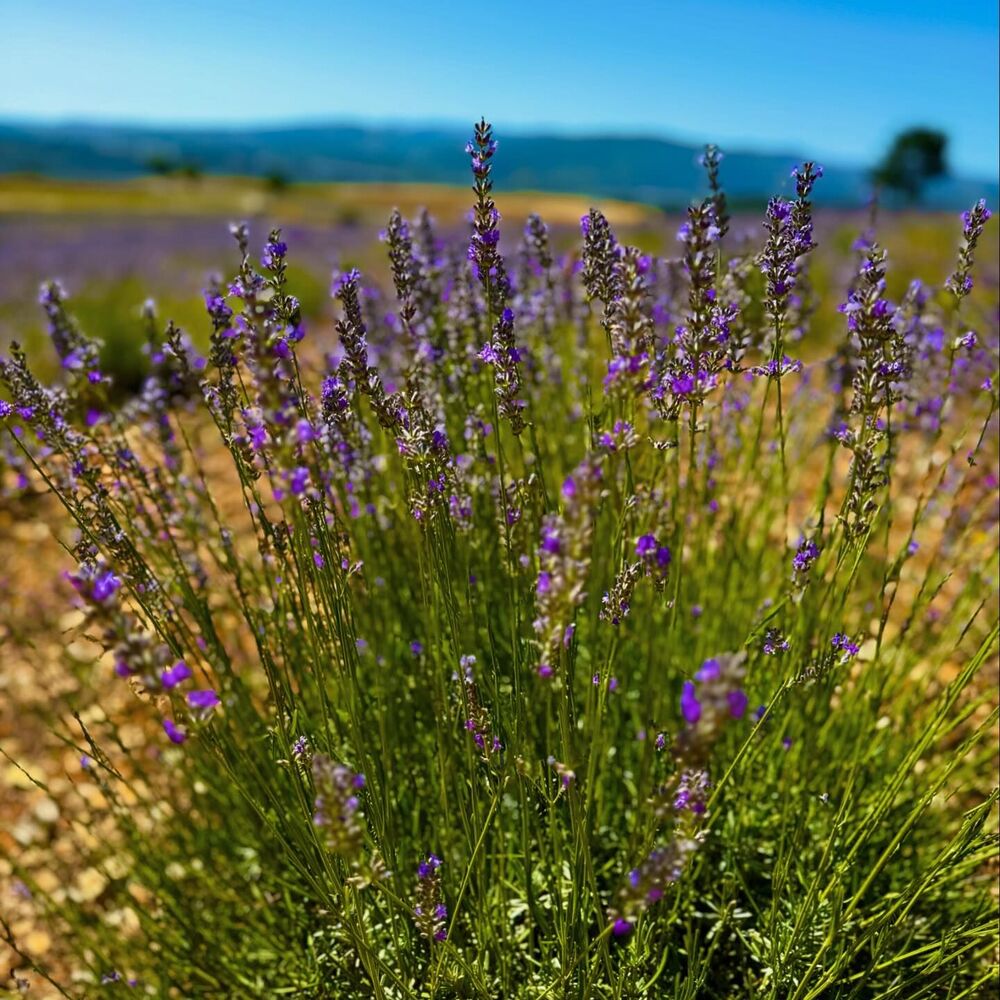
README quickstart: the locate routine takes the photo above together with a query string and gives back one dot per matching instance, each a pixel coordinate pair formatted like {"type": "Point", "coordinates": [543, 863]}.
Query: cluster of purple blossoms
{"type": "Point", "coordinates": [601, 259]}
{"type": "Point", "coordinates": [302, 752]}
{"type": "Point", "coordinates": [946, 368]}
{"type": "Point", "coordinates": [789, 238]}
{"type": "Point", "coordinates": [483, 246]}
{"type": "Point", "coordinates": [273, 256]}
{"type": "Point", "coordinates": [48, 413]}
{"type": "Point", "coordinates": [429, 912]}
{"type": "Point", "coordinates": [805, 556]}
{"type": "Point", "coordinates": [96, 584]}
{"type": "Point", "coordinates": [688, 368]}
{"type": "Point", "coordinates": [973, 223]}
{"type": "Point", "coordinates": [841, 650]}
{"type": "Point", "coordinates": [845, 644]}
{"type": "Point", "coordinates": [711, 160]}
{"type": "Point", "coordinates": [616, 602]}
{"type": "Point", "coordinates": [714, 696]}
{"type": "Point", "coordinates": [621, 437]}
{"type": "Point", "coordinates": [477, 717]}
{"type": "Point", "coordinates": [777, 368]}
{"type": "Point", "coordinates": [871, 321]}
{"type": "Point", "coordinates": [337, 808]}
{"type": "Point", "coordinates": [774, 642]}
{"type": "Point", "coordinates": [342, 434]}
{"type": "Point", "coordinates": [540, 303]}
{"type": "Point", "coordinates": [353, 336]}
{"type": "Point", "coordinates": [655, 556]}
{"type": "Point", "coordinates": [880, 374]}
{"type": "Point", "coordinates": [478, 724]}
{"type": "Point", "coordinates": [200, 703]}
{"type": "Point", "coordinates": [500, 351]}
{"type": "Point", "coordinates": [564, 773]}
{"type": "Point", "coordinates": [564, 559]}
{"type": "Point", "coordinates": [409, 279]}
{"type": "Point", "coordinates": [653, 561]}
{"type": "Point", "coordinates": [78, 355]}
{"type": "Point", "coordinates": [502, 354]}
{"type": "Point", "coordinates": [647, 883]}
{"type": "Point", "coordinates": [691, 791]}
{"type": "Point", "coordinates": [420, 439]}
{"type": "Point", "coordinates": [136, 652]}
{"type": "Point", "coordinates": [114, 976]}
{"type": "Point", "coordinates": [630, 328]}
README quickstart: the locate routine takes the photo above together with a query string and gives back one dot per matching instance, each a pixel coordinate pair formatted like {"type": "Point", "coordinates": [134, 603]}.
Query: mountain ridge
{"type": "Point", "coordinates": [637, 168]}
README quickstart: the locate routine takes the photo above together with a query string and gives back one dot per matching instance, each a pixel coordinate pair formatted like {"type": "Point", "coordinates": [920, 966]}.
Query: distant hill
{"type": "Point", "coordinates": [656, 171]}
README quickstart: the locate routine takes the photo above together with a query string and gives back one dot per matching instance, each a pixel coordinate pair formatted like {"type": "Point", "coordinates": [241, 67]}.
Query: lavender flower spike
{"type": "Point", "coordinates": [500, 351]}
{"type": "Point", "coordinates": [429, 912]}
{"type": "Point", "coordinates": [973, 223]}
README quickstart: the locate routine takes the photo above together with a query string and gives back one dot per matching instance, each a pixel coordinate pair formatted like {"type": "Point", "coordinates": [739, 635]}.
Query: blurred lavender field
{"type": "Point", "coordinates": [115, 245]}
{"type": "Point", "coordinates": [166, 258]}
{"type": "Point", "coordinates": [113, 255]}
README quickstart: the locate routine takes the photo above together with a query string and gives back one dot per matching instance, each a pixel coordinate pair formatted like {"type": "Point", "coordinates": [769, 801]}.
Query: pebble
{"type": "Point", "coordinates": [47, 811]}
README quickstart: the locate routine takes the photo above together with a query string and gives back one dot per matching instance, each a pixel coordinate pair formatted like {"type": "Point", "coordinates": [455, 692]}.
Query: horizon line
{"type": "Point", "coordinates": [374, 122]}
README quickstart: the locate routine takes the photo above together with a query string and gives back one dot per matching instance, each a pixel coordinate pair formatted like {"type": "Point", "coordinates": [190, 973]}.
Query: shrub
{"type": "Point", "coordinates": [558, 634]}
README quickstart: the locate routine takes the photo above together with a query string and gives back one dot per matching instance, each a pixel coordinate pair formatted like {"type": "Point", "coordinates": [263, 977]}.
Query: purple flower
{"type": "Point", "coordinates": [711, 670]}
{"type": "Point", "coordinates": [336, 809]}
{"type": "Point", "coordinates": [203, 699]}
{"type": "Point", "coordinates": [274, 253]}
{"type": "Point", "coordinates": [427, 868]}
{"type": "Point", "coordinates": [174, 675]}
{"type": "Point", "coordinates": [258, 436]}
{"type": "Point", "coordinates": [105, 585]}
{"type": "Point", "coordinates": [690, 708]}
{"type": "Point", "coordinates": [774, 642]}
{"type": "Point", "coordinates": [646, 546]}
{"type": "Point", "coordinates": [174, 733]}
{"type": "Point", "coordinates": [299, 480]}
{"type": "Point", "coordinates": [843, 642]}
{"type": "Point", "coordinates": [805, 555]}
{"type": "Point", "coordinates": [550, 541]}
{"type": "Point", "coordinates": [973, 223]}
{"type": "Point", "coordinates": [738, 702]}
{"type": "Point", "coordinates": [430, 913]}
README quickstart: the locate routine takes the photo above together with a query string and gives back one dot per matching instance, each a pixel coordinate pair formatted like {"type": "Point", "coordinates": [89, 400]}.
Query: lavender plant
{"type": "Point", "coordinates": [395, 601]}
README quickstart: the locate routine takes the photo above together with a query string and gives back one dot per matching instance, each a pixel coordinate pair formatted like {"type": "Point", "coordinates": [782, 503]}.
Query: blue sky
{"type": "Point", "coordinates": [824, 78]}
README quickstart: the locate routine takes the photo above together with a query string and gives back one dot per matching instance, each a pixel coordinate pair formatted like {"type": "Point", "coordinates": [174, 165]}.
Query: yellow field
{"type": "Point", "coordinates": [305, 203]}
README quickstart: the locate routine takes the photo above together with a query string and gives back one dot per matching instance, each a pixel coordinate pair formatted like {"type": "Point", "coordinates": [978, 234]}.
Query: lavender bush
{"type": "Point", "coordinates": [554, 631]}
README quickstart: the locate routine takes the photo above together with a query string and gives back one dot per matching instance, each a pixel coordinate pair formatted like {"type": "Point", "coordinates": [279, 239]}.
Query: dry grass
{"type": "Point", "coordinates": [312, 203]}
